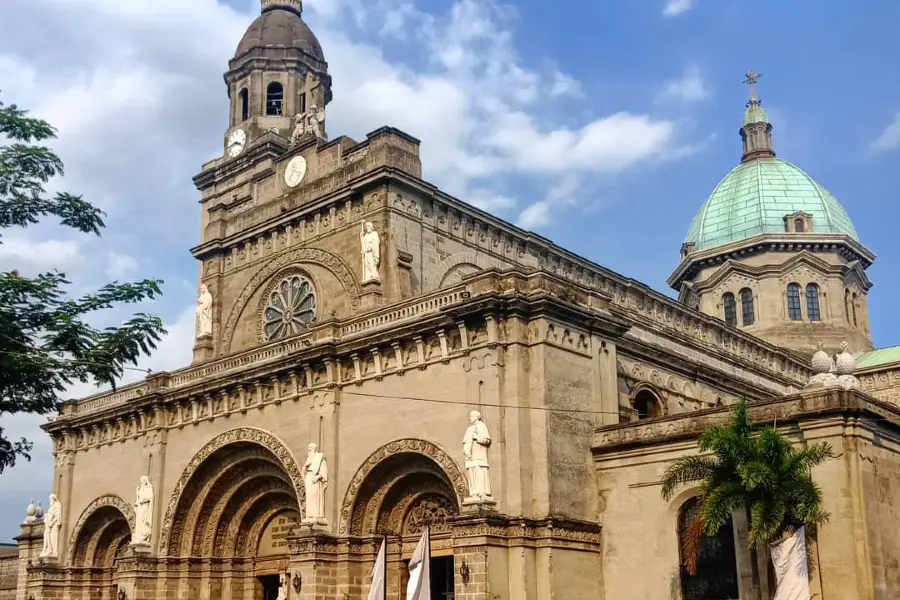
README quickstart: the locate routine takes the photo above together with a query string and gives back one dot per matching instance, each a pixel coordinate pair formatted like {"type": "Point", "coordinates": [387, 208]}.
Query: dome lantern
{"type": "Point", "coordinates": [756, 131]}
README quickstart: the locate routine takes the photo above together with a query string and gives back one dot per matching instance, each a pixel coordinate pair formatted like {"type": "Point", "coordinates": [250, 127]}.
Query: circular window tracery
{"type": "Point", "coordinates": [290, 309]}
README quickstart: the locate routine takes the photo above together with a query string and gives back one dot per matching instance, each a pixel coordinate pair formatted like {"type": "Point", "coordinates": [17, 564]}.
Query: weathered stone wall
{"type": "Point", "coordinates": [882, 383]}
{"type": "Point", "coordinates": [767, 275]}
{"type": "Point", "coordinates": [880, 477]}
{"type": "Point", "coordinates": [855, 553]}
{"type": "Point", "coordinates": [9, 572]}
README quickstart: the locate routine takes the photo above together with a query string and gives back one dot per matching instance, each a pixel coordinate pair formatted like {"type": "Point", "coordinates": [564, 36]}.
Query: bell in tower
{"type": "Point", "coordinates": [278, 79]}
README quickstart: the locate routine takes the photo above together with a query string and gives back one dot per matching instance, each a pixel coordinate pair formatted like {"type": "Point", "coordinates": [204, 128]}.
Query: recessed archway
{"type": "Point", "coordinates": [102, 536]}
{"type": "Point", "coordinates": [395, 479]}
{"type": "Point", "coordinates": [239, 483]}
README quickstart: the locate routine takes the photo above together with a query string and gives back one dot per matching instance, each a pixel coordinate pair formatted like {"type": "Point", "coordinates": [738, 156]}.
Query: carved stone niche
{"type": "Point", "coordinates": [432, 509]}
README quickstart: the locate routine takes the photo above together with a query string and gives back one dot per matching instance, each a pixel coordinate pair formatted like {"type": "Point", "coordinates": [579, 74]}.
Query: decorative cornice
{"type": "Point", "coordinates": [798, 407]}
{"type": "Point", "coordinates": [770, 242]}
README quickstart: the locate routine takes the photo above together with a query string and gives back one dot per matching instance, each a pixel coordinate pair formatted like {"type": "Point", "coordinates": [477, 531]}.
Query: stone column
{"type": "Point", "coordinates": [29, 540]}
{"type": "Point", "coordinates": [313, 559]}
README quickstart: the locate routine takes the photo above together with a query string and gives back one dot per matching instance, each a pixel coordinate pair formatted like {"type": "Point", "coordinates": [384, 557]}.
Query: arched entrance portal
{"type": "Point", "coordinates": [100, 536]}
{"type": "Point", "coordinates": [238, 503]}
{"type": "Point", "coordinates": [402, 494]}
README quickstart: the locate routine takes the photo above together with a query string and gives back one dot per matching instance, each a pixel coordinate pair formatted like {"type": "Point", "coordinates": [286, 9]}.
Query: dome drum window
{"type": "Point", "coordinates": [795, 312]}
{"type": "Point", "coordinates": [290, 308]}
{"type": "Point", "coordinates": [798, 222]}
{"type": "Point", "coordinates": [730, 308]}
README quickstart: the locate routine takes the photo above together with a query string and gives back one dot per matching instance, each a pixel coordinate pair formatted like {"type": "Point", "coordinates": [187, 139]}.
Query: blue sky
{"type": "Point", "coordinates": [601, 125]}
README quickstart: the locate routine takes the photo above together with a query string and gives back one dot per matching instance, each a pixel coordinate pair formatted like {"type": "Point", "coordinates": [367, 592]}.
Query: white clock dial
{"type": "Point", "coordinates": [295, 171]}
{"type": "Point", "coordinates": [236, 142]}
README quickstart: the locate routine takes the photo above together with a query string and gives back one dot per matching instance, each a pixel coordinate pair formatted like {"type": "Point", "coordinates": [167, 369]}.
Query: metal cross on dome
{"type": "Point", "coordinates": [751, 79]}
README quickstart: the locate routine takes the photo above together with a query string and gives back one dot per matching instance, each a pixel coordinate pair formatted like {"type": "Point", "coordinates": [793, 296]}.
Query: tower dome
{"type": "Point", "coordinates": [773, 252]}
{"type": "Point", "coordinates": [756, 196]}
{"type": "Point", "coordinates": [760, 193]}
{"type": "Point", "coordinates": [280, 26]}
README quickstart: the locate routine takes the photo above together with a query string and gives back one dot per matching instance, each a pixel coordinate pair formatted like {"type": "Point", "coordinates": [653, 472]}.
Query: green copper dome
{"type": "Point", "coordinates": [755, 197]}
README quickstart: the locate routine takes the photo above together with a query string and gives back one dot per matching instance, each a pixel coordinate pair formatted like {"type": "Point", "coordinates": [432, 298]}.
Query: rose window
{"type": "Point", "coordinates": [290, 309]}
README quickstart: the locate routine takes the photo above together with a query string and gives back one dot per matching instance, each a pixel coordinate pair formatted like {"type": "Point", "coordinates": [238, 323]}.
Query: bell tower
{"type": "Point", "coordinates": [278, 77]}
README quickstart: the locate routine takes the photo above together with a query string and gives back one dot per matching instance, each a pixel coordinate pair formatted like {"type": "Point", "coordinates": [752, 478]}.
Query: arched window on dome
{"type": "Point", "coordinates": [244, 99]}
{"type": "Point", "coordinates": [748, 315]}
{"type": "Point", "coordinates": [847, 305]}
{"type": "Point", "coordinates": [812, 302]}
{"type": "Point", "coordinates": [730, 309]}
{"type": "Point", "coordinates": [715, 573]}
{"type": "Point", "coordinates": [853, 306]}
{"type": "Point", "coordinates": [795, 313]}
{"type": "Point", "coordinates": [647, 404]}
{"type": "Point", "coordinates": [799, 225]}
{"type": "Point", "coordinates": [275, 99]}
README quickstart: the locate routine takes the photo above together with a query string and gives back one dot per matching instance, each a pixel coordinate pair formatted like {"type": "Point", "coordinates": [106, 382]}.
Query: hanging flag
{"type": "Point", "coordinates": [376, 592]}
{"type": "Point", "coordinates": [791, 573]}
{"type": "Point", "coordinates": [419, 586]}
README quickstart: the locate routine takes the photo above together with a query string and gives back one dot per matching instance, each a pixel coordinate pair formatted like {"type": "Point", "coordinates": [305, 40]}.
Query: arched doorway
{"type": "Point", "coordinates": [715, 576]}
{"type": "Point", "coordinates": [100, 536]}
{"type": "Point", "coordinates": [400, 495]}
{"type": "Point", "coordinates": [239, 502]}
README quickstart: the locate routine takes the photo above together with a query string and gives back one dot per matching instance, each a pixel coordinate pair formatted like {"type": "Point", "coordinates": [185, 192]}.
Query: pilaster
{"type": "Point", "coordinates": [29, 540]}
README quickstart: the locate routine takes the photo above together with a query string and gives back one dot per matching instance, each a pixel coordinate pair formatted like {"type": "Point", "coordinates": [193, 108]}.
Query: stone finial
{"type": "Point", "coordinates": [845, 365]}
{"type": "Point", "coordinates": [844, 362]}
{"type": "Point", "coordinates": [822, 366]}
{"type": "Point", "coordinates": [39, 512]}
{"type": "Point", "coordinates": [30, 512]}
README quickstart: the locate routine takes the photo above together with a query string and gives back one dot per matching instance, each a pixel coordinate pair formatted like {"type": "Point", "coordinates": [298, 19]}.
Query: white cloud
{"type": "Point", "coordinates": [565, 193]}
{"type": "Point", "coordinates": [690, 87]}
{"type": "Point", "coordinates": [676, 7]}
{"type": "Point", "coordinates": [889, 138]}
{"type": "Point", "coordinates": [120, 266]}
{"type": "Point", "coordinates": [30, 256]}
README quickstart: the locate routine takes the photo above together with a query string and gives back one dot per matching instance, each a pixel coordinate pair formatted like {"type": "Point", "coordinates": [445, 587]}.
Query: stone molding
{"type": "Point", "coordinates": [674, 428]}
{"type": "Point", "coordinates": [475, 530]}
{"type": "Point", "coordinates": [442, 459]}
{"type": "Point", "coordinates": [233, 436]}
{"type": "Point", "coordinates": [126, 508]}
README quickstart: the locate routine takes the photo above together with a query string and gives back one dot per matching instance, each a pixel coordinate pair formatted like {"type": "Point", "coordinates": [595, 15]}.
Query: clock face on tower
{"type": "Point", "coordinates": [236, 142]}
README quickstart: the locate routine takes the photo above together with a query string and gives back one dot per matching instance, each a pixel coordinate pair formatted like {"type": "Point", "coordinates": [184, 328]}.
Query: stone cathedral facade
{"type": "Point", "coordinates": [344, 302]}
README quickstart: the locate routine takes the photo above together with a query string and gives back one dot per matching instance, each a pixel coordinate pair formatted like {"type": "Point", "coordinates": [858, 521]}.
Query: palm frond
{"type": "Point", "coordinates": [686, 470]}
{"type": "Point", "coordinates": [691, 542]}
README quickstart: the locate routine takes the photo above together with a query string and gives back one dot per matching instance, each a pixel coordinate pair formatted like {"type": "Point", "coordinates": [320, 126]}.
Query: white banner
{"type": "Point", "coordinates": [419, 586]}
{"type": "Point", "coordinates": [791, 570]}
{"type": "Point", "coordinates": [376, 591]}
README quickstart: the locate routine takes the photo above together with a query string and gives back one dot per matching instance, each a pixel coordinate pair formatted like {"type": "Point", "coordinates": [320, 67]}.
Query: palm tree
{"type": "Point", "coordinates": [758, 472]}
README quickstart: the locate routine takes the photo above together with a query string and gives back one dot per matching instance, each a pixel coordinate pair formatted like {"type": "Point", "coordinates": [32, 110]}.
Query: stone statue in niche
{"type": "Point", "coordinates": [204, 312]}
{"type": "Point", "coordinates": [299, 128]}
{"type": "Point", "coordinates": [143, 512]}
{"type": "Point", "coordinates": [315, 481]}
{"type": "Point", "coordinates": [371, 252]}
{"type": "Point", "coordinates": [52, 523]}
{"type": "Point", "coordinates": [476, 442]}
